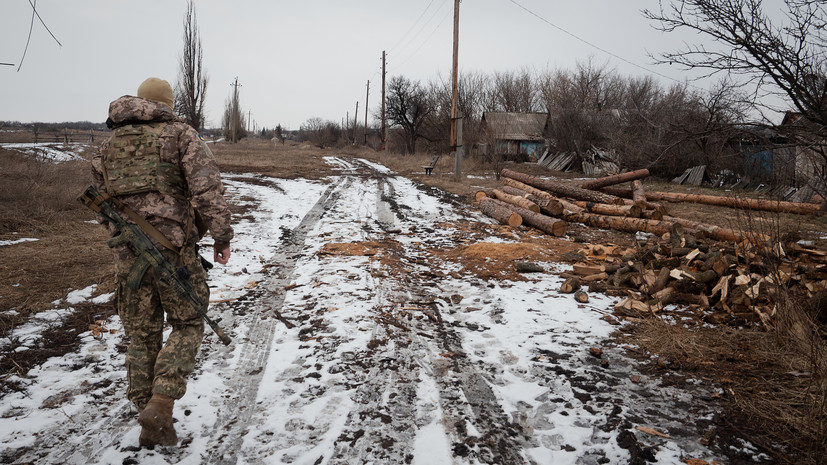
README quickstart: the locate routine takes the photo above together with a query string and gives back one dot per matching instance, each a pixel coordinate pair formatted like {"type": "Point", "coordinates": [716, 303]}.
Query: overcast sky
{"type": "Point", "coordinates": [301, 59]}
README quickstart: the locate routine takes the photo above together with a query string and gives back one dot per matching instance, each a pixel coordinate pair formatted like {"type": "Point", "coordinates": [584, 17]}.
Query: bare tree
{"type": "Point", "coordinates": [515, 92]}
{"type": "Point", "coordinates": [408, 108]}
{"type": "Point", "coordinates": [320, 133]}
{"type": "Point", "coordinates": [191, 88]}
{"type": "Point", "coordinates": [233, 122]}
{"type": "Point", "coordinates": [775, 57]}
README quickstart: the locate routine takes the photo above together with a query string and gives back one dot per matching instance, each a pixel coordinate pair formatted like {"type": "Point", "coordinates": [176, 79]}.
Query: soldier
{"type": "Point", "coordinates": [159, 168]}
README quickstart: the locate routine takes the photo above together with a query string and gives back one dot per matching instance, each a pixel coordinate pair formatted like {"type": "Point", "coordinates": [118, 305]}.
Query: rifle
{"type": "Point", "coordinates": [149, 255]}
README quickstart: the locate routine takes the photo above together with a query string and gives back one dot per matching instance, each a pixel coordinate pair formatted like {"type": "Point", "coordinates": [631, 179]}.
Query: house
{"type": "Point", "coordinates": [810, 163]}
{"type": "Point", "coordinates": [516, 133]}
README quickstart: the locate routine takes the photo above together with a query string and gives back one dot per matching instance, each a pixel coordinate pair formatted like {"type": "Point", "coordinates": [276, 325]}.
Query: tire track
{"type": "Point", "coordinates": [231, 426]}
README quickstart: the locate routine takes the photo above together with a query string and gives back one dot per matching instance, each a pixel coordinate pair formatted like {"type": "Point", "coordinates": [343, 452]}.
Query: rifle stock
{"type": "Point", "coordinates": [149, 255]}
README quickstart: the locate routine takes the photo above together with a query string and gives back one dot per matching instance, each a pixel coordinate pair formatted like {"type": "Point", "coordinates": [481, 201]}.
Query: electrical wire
{"type": "Point", "coordinates": [424, 26]}
{"type": "Point", "coordinates": [413, 54]}
{"type": "Point", "coordinates": [596, 47]}
{"type": "Point", "coordinates": [31, 27]}
{"type": "Point", "coordinates": [392, 49]}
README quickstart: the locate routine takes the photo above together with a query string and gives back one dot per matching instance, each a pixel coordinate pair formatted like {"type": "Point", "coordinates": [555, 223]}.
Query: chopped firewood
{"type": "Point", "coordinates": [594, 277]}
{"type": "Point", "coordinates": [638, 194]}
{"type": "Point", "coordinates": [653, 432]}
{"type": "Point", "coordinates": [528, 267]}
{"type": "Point", "coordinates": [570, 285]}
{"type": "Point", "coordinates": [585, 270]}
{"type": "Point", "coordinates": [581, 296]}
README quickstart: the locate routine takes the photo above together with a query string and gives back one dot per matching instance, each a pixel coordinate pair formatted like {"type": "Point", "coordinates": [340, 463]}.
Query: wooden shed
{"type": "Point", "coordinates": [516, 133]}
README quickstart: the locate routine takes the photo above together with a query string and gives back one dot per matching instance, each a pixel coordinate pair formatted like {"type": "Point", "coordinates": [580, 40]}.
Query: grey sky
{"type": "Point", "coordinates": [300, 59]}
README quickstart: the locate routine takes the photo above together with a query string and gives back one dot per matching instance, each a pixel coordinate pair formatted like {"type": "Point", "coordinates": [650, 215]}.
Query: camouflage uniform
{"type": "Point", "coordinates": [154, 367]}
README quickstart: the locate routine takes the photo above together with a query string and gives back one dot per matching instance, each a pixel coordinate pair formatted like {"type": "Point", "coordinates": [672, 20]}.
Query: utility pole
{"type": "Point", "coordinates": [367, 96]}
{"type": "Point", "coordinates": [384, 127]}
{"type": "Point", "coordinates": [355, 118]}
{"type": "Point", "coordinates": [236, 113]}
{"type": "Point", "coordinates": [455, 147]}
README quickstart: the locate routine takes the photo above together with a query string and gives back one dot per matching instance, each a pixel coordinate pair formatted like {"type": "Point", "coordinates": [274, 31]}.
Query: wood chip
{"type": "Point", "coordinates": [653, 432]}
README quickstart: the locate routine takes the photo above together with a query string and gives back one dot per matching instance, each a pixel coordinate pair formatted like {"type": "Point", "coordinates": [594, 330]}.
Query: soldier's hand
{"type": "Point", "coordinates": [221, 253]}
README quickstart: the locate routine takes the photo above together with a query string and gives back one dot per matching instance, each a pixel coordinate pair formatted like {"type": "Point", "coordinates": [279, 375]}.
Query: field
{"type": "Point", "coordinates": [774, 388]}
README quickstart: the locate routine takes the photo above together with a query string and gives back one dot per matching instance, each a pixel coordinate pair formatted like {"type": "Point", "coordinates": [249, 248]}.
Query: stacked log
{"type": "Point", "coordinates": [561, 188]}
{"type": "Point", "coordinates": [544, 223]}
{"type": "Point", "coordinates": [500, 213]}
{"type": "Point", "coordinates": [731, 202]}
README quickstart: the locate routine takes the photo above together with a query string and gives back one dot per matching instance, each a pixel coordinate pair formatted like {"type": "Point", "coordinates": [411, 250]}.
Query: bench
{"type": "Point", "coordinates": [430, 167]}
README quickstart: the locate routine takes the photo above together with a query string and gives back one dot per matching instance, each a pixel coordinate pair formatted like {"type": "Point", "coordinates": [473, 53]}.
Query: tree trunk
{"type": "Point", "coordinates": [610, 210]}
{"type": "Point", "coordinates": [732, 202]}
{"type": "Point", "coordinates": [542, 222]}
{"type": "Point", "coordinates": [614, 179]}
{"type": "Point", "coordinates": [521, 202]}
{"type": "Point", "coordinates": [718, 233]}
{"type": "Point", "coordinates": [502, 214]}
{"type": "Point", "coordinates": [560, 188]}
{"type": "Point", "coordinates": [625, 224]}
{"type": "Point", "coordinates": [548, 206]}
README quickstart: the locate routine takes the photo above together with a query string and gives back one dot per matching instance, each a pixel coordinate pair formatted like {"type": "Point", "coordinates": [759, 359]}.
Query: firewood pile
{"type": "Point", "coordinates": [724, 275]}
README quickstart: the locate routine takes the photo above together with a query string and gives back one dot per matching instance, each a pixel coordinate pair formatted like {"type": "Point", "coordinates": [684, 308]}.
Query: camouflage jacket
{"type": "Point", "coordinates": [180, 145]}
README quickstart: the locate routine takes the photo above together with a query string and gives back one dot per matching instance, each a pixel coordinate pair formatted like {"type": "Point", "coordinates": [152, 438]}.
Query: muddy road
{"type": "Point", "coordinates": [382, 322]}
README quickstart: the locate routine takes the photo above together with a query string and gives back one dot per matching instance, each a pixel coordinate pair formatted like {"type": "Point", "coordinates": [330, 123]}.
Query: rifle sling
{"type": "Point", "coordinates": [142, 223]}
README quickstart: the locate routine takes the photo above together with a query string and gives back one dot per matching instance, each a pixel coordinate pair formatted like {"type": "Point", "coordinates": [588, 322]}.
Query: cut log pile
{"type": "Point", "coordinates": [733, 277]}
{"type": "Point", "coordinates": [596, 203]}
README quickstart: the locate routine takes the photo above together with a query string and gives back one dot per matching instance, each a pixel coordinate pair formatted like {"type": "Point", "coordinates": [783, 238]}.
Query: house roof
{"type": "Point", "coordinates": [515, 126]}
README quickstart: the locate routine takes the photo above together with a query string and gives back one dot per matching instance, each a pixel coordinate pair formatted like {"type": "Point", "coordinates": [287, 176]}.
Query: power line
{"type": "Point", "coordinates": [31, 27]}
{"type": "Point", "coordinates": [598, 47]}
{"type": "Point", "coordinates": [424, 25]}
{"type": "Point", "coordinates": [422, 44]}
{"type": "Point", "coordinates": [412, 26]}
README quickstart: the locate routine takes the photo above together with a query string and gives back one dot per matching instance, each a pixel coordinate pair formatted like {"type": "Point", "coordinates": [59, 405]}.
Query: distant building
{"type": "Point", "coordinates": [810, 163]}
{"type": "Point", "coordinates": [516, 133]}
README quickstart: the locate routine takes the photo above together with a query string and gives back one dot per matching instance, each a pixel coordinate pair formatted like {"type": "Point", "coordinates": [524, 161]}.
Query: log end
{"type": "Point", "coordinates": [515, 220]}
{"type": "Point", "coordinates": [534, 207]}
{"type": "Point", "coordinates": [480, 195]}
{"type": "Point", "coordinates": [559, 228]}
{"type": "Point", "coordinates": [635, 211]}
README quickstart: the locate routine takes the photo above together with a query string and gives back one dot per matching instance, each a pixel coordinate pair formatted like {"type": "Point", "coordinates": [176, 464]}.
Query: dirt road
{"type": "Point", "coordinates": [364, 335]}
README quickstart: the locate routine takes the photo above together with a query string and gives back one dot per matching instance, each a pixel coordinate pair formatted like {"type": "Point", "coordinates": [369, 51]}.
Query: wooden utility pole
{"type": "Point", "coordinates": [236, 113]}
{"type": "Point", "coordinates": [367, 96]}
{"type": "Point", "coordinates": [355, 118]}
{"type": "Point", "coordinates": [455, 96]}
{"type": "Point", "coordinates": [384, 127]}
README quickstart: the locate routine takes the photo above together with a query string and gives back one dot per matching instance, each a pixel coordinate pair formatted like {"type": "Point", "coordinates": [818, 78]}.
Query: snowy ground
{"type": "Point", "coordinates": [353, 343]}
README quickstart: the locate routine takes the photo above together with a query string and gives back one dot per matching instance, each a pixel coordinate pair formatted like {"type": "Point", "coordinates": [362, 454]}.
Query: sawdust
{"type": "Point", "coordinates": [498, 260]}
{"type": "Point", "coordinates": [353, 249]}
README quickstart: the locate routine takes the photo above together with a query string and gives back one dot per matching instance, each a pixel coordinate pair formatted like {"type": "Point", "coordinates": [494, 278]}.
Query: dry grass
{"type": "Point", "coordinates": [38, 200]}
{"type": "Point", "coordinates": [774, 398]}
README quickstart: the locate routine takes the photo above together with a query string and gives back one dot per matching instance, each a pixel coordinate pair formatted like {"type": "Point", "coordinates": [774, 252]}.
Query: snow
{"type": "Point", "coordinates": [17, 241]}
{"type": "Point", "coordinates": [366, 373]}
{"type": "Point", "coordinates": [46, 151]}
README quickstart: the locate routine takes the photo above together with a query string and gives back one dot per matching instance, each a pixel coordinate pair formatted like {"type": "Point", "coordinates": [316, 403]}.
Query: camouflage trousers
{"type": "Point", "coordinates": [152, 366]}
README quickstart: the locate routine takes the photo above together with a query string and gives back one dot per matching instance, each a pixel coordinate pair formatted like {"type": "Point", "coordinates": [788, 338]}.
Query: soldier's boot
{"type": "Point", "coordinates": [156, 422]}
